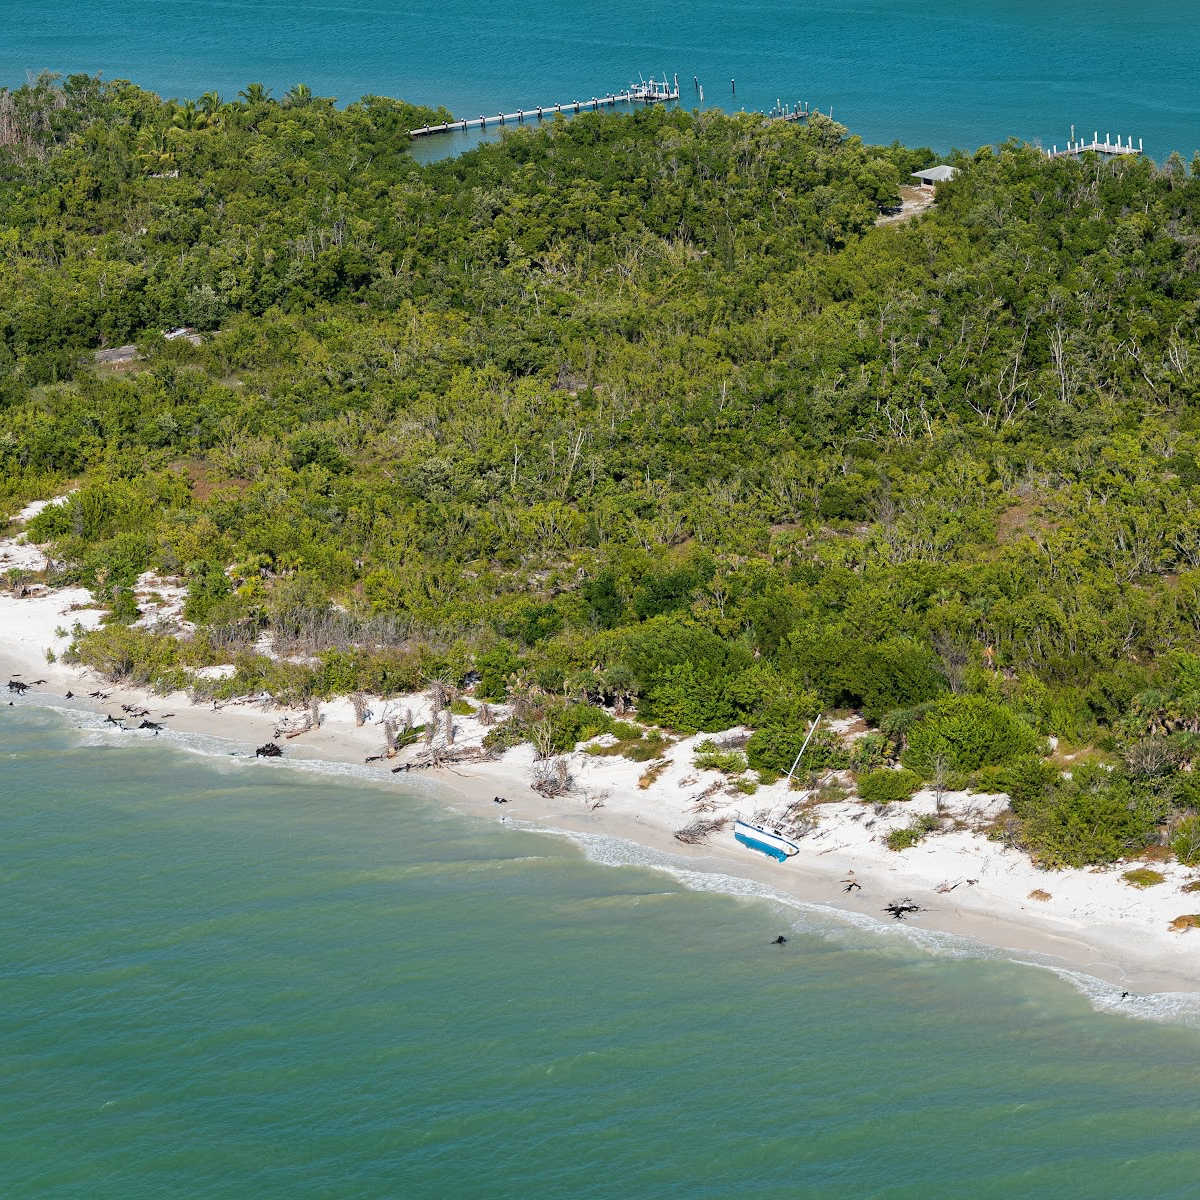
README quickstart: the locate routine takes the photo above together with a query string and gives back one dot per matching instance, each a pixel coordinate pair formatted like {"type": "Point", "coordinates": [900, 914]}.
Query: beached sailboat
{"type": "Point", "coordinates": [754, 837]}
{"type": "Point", "coordinates": [766, 842]}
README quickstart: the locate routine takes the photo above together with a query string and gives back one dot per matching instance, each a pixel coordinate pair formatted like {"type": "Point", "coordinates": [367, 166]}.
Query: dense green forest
{"type": "Point", "coordinates": [643, 411]}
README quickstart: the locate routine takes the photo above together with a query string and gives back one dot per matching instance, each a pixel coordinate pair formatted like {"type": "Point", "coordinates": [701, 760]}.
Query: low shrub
{"type": "Point", "coordinates": [1186, 842]}
{"type": "Point", "coordinates": [1027, 781]}
{"type": "Point", "coordinates": [631, 743]}
{"type": "Point", "coordinates": [710, 757]}
{"type": "Point", "coordinates": [1143, 877]}
{"type": "Point", "coordinates": [495, 666]}
{"type": "Point", "coordinates": [1184, 923]}
{"type": "Point", "coordinates": [911, 834]}
{"type": "Point", "coordinates": [137, 656]}
{"type": "Point", "coordinates": [1093, 817]}
{"type": "Point", "coordinates": [774, 747]}
{"type": "Point", "coordinates": [1185, 790]}
{"type": "Point", "coordinates": [885, 787]}
{"type": "Point", "coordinates": [870, 752]}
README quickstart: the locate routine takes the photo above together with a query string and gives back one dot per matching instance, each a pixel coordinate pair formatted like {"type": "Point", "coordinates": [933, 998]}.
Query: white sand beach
{"type": "Point", "coordinates": [965, 883]}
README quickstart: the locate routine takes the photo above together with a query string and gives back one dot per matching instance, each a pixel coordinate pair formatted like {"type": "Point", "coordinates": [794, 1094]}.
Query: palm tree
{"type": "Point", "coordinates": [187, 116]}
{"type": "Point", "coordinates": [298, 95]}
{"type": "Point", "coordinates": [210, 103]}
{"type": "Point", "coordinates": [154, 151]}
{"type": "Point", "coordinates": [255, 94]}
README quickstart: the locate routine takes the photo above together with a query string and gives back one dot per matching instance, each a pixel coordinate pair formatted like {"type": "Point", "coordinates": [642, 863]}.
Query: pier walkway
{"type": "Point", "coordinates": [653, 92]}
{"type": "Point", "coordinates": [645, 93]}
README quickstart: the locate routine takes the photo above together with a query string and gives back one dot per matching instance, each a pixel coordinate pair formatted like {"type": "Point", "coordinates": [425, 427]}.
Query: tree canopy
{"type": "Point", "coordinates": [642, 408]}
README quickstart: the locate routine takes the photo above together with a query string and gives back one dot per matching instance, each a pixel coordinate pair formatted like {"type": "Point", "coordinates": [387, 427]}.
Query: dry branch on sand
{"type": "Point", "coordinates": [552, 777]}
{"type": "Point", "coordinates": [433, 759]}
{"type": "Point", "coordinates": [699, 831]}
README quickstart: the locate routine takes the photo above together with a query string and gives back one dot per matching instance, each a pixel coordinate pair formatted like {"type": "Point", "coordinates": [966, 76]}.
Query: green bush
{"type": "Point", "coordinates": [911, 834]}
{"type": "Point", "coordinates": [681, 671]}
{"type": "Point", "coordinates": [686, 698]}
{"type": "Point", "coordinates": [208, 586]}
{"type": "Point", "coordinates": [504, 736]}
{"type": "Point", "coordinates": [897, 673]}
{"type": "Point", "coordinates": [870, 751]}
{"type": "Point", "coordinates": [965, 733]}
{"type": "Point", "coordinates": [1093, 817]}
{"type": "Point", "coordinates": [1186, 842]}
{"type": "Point", "coordinates": [495, 665]}
{"type": "Point", "coordinates": [571, 724]}
{"type": "Point", "coordinates": [710, 757]}
{"type": "Point", "coordinates": [884, 787]}
{"type": "Point", "coordinates": [1027, 780]}
{"type": "Point", "coordinates": [896, 724]}
{"type": "Point", "coordinates": [1185, 789]}
{"type": "Point", "coordinates": [774, 747]}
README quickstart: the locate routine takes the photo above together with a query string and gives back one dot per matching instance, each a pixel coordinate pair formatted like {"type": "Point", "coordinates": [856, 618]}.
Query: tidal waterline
{"type": "Point", "coordinates": [228, 979]}
{"type": "Point", "coordinates": [928, 72]}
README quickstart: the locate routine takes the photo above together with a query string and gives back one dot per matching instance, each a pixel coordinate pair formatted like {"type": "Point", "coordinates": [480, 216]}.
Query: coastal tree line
{"type": "Point", "coordinates": [639, 411]}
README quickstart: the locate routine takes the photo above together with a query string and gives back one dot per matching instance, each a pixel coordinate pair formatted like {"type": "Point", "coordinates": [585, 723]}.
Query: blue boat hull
{"type": "Point", "coordinates": [762, 847]}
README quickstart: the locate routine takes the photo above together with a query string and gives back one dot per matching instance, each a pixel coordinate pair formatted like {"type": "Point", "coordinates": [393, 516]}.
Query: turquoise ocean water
{"type": "Point", "coordinates": [929, 72]}
{"type": "Point", "coordinates": [223, 980]}
{"type": "Point", "coordinates": [228, 980]}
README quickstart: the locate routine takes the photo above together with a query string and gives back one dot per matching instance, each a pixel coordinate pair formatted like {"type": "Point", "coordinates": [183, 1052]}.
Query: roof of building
{"type": "Point", "coordinates": [938, 174]}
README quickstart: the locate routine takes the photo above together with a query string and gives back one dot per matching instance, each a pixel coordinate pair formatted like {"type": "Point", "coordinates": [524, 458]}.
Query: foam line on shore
{"type": "Point", "coordinates": [839, 925]}
{"type": "Point", "coordinates": [978, 927]}
{"type": "Point", "coordinates": [95, 731]}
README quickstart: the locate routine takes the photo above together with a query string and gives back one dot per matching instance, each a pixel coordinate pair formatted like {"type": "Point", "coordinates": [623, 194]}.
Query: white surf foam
{"type": "Point", "coordinates": [861, 930]}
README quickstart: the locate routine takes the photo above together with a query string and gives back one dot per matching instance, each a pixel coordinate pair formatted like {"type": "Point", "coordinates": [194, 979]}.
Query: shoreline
{"type": "Point", "coordinates": [1093, 924]}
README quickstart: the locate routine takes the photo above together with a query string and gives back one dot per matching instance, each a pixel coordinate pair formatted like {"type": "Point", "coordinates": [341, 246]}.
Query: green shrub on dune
{"type": "Point", "coordinates": [885, 787]}
{"type": "Point", "coordinates": [964, 733]}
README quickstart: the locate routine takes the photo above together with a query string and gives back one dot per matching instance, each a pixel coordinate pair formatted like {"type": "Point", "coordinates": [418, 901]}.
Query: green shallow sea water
{"type": "Point", "coordinates": [224, 979]}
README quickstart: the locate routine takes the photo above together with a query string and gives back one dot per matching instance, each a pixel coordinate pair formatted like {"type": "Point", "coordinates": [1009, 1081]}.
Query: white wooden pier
{"type": "Point", "coordinates": [1108, 147]}
{"type": "Point", "coordinates": [654, 92]}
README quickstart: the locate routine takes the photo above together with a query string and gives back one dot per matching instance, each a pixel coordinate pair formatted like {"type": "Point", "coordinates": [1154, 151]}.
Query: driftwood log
{"type": "Point", "coordinates": [270, 750]}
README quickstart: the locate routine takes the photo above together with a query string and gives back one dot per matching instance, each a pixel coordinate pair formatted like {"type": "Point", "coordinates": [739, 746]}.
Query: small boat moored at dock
{"type": "Point", "coordinates": [754, 837]}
